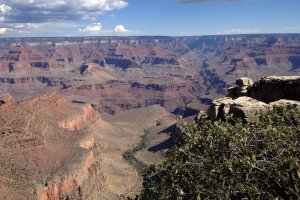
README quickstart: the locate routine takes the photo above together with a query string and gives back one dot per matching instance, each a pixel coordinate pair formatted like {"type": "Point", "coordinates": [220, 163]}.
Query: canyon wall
{"type": "Point", "coordinates": [120, 73]}
{"type": "Point", "coordinates": [47, 152]}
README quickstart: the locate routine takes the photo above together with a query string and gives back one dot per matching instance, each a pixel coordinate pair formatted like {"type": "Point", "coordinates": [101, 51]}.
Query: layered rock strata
{"type": "Point", "coordinates": [40, 158]}
{"type": "Point", "coordinates": [200, 67]}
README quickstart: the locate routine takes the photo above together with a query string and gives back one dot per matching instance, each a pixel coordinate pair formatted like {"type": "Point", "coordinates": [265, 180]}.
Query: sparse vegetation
{"type": "Point", "coordinates": [129, 154]}
{"type": "Point", "coordinates": [158, 123]}
{"type": "Point", "coordinates": [231, 160]}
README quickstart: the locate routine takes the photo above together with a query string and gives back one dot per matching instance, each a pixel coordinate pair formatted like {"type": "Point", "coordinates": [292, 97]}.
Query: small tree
{"type": "Point", "coordinates": [231, 160]}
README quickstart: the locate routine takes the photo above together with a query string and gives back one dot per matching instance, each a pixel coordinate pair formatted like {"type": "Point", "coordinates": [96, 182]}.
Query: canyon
{"type": "Point", "coordinates": [52, 148]}
{"type": "Point", "coordinates": [121, 73]}
{"type": "Point", "coordinates": [70, 107]}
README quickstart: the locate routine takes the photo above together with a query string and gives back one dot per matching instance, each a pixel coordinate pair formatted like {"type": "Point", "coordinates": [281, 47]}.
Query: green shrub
{"type": "Point", "coordinates": [231, 160]}
{"type": "Point", "coordinates": [129, 154]}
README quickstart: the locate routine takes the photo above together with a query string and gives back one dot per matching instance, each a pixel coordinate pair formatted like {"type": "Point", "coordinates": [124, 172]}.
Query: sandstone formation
{"type": "Point", "coordinates": [78, 122]}
{"type": "Point", "coordinates": [41, 160]}
{"type": "Point", "coordinates": [248, 100]}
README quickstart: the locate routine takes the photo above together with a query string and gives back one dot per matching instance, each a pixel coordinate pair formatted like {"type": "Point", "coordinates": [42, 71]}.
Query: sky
{"type": "Point", "coordinates": [51, 18]}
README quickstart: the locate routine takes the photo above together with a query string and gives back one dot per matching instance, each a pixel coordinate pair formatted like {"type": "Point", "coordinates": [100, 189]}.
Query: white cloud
{"type": "Point", "coordinates": [37, 17]}
{"type": "Point", "coordinates": [121, 29]}
{"type": "Point", "coordinates": [23, 11]}
{"type": "Point", "coordinates": [59, 29]}
{"type": "Point", "coordinates": [3, 30]}
{"type": "Point", "coordinates": [4, 9]}
{"type": "Point", "coordinates": [38, 29]}
{"type": "Point", "coordinates": [292, 28]}
{"type": "Point", "coordinates": [240, 31]}
{"type": "Point", "coordinates": [93, 28]}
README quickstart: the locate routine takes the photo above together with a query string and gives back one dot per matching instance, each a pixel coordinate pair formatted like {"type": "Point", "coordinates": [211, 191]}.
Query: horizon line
{"type": "Point", "coordinates": [128, 36]}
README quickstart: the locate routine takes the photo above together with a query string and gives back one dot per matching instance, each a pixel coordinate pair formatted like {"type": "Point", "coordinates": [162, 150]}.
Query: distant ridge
{"type": "Point", "coordinates": [138, 71]}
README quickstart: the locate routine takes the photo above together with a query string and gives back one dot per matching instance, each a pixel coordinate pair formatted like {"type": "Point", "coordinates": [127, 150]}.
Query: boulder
{"type": "Point", "coordinates": [219, 108]}
{"type": "Point", "coordinates": [248, 109]}
{"type": "Point", "coordinates": [6, 100]}
{"type": "Point", "coordinates": [244, 107]}
{"type": "Point", "coordinates": [243, 84]}
{"type": "Point", "coordinates": [244, 81]}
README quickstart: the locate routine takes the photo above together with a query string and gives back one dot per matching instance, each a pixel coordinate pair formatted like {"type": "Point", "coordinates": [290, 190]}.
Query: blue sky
{"type": "Point", "coordinates": [147, 17]}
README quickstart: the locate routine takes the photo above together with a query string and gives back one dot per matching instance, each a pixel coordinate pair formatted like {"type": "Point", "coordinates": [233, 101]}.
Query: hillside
{"type": "Point", "coordinates": [46, 152]}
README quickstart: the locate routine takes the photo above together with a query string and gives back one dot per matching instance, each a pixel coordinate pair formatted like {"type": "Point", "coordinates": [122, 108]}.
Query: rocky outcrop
{"type": "Point", "coordinates": [219, 108]}
{"type": "Point", "coordinates": [268, 89]}
{"type": "Point", "coordinates": [78, 122]}
{"type": "Point", "coordinates": [249, 100]}
{"type": "Point", "coordinates": [6, 100]}
{"type": "Point", "coordinates": [74, 184]}
{"type": "Point", "coordinates": [274, 88]}
{"type": "Point", "coordinates": [242, 87]}
{"type": "Point", "coordinates": [289, 104]}
{"type": "Point", "coordinates": [160, 61]}
{"type": "Point", "coordinates": [40, 159]}
{"type": "Point", "coordinates": [50, 82]}
{"type": "Point", "coordinates": [89, 68]}
{"type": "Point", "coordinates": [244, 107]}
{"type": "Point", "coordinates": [120, 62]}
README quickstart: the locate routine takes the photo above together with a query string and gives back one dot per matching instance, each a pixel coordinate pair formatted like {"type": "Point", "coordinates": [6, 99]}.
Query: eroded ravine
{"type": "Point", "coordinates": [115, 136]}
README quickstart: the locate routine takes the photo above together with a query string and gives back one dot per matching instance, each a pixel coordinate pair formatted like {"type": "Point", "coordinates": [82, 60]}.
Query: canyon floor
{"type": "Point", "coordinates": [120, 133]}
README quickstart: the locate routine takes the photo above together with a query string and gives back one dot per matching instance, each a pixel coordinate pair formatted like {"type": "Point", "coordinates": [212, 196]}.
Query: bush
{"type": "Point", "coordinates": [129, 154]}
{"type": "Point", "coordinates": [231, 160]}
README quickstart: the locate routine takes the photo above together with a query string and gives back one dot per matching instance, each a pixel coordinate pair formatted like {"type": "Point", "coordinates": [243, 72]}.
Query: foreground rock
{"type": "Point", "coordinates": [244, 107]}
{"type": "Point", "coordinates": [268, 89]}
{"type": "Point", "coordinates": [249, 100]}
